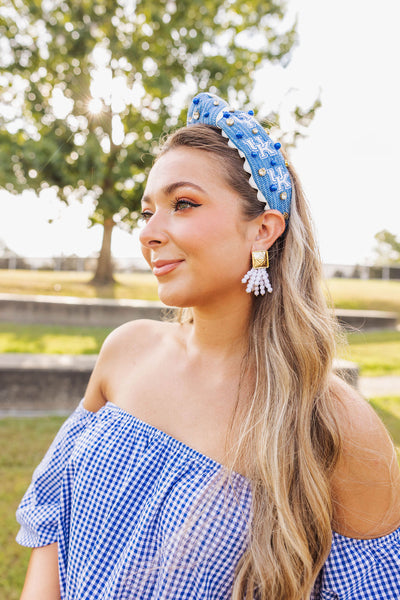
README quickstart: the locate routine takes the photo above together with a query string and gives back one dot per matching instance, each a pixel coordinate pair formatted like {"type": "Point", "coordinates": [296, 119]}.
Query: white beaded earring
{"type": "Point", "coordinates": [257, 278]}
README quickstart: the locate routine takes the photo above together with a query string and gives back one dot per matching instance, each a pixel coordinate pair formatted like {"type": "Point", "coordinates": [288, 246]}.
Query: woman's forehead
{"type": "Point", "coordinates": [186, 164]}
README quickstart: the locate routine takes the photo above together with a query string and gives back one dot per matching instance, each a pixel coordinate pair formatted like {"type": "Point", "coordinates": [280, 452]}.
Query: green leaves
{"type": "Point", "coordinates": [388, 248]}
{"type": "Point", "coordinates": [95, 84]}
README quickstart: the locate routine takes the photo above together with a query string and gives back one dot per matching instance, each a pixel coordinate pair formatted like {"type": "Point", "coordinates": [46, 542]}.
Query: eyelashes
{"type": "Point", "coordinates": [182, 203]}
{"type": "Point", "coordinates": [177, 205]}
{"type": "Point", "coordinates": [145, 216]}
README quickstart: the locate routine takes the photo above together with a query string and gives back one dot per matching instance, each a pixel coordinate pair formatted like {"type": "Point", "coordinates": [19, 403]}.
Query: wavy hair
{"type": "Point", "coordinates": [288, 440]}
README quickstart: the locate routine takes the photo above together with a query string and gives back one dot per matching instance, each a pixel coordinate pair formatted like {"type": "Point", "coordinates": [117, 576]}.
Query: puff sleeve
{"type": "Point", "coordinates": [38, 511]}
{"type": "Point", "coordinates": [357, 568]}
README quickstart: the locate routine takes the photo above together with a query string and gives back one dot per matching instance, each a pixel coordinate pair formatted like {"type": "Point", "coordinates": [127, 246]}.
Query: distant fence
{"type": "Point", "coordinates": [69, 263]}
{"type": "Point", "coordinates": [362, 271]}
{"type": "Point", "coordinates": [129, 264]}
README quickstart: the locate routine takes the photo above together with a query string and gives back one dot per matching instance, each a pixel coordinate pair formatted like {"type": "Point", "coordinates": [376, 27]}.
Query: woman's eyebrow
{"type": "Point", "coordinates": [177, 184]}
{"type": "Point", "coordinates": [172, 187]}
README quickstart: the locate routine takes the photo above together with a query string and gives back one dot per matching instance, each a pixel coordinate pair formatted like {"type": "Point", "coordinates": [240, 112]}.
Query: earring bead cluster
{"type": "Point", "coordinates": [257, 278]}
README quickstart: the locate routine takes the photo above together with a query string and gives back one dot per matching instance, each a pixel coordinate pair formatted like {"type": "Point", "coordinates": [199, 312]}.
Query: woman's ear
{"type": "Point", "coordinates": [271, 226]}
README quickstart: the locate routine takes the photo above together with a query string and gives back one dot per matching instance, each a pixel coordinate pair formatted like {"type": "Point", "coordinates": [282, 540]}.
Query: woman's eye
{"type": "Point", "coordinates": [184, 203]}
{"type": "Point", "coordinates": [145, 215]}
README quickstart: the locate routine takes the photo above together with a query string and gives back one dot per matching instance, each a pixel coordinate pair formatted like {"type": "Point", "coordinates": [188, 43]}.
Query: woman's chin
{"type": "Point", "coordinates": [173, 298]}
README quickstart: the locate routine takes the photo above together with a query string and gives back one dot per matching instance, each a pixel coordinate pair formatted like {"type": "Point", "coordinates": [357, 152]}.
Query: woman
{"type": "Point", "coordinates": [212, 457]}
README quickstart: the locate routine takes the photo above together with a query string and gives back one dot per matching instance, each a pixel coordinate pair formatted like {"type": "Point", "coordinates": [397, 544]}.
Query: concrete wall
{"type": "Point", "coordinates": [366, 320]}
{"type": "Point", "coordinates": [82, 312]}
{"type": "Point", "coordinates": [49, 383]}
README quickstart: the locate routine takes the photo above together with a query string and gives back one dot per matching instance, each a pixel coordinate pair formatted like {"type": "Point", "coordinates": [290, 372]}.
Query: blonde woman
{"type": "Point", "coordinates": [217, 456]}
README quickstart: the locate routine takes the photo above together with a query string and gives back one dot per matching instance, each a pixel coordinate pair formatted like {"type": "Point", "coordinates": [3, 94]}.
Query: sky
{"type": "Point", "coordinates": [348, 54]}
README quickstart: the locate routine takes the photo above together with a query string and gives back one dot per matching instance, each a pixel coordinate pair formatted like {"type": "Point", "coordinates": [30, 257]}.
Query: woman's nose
{"type": "Point", "coordinates": [153, 233]}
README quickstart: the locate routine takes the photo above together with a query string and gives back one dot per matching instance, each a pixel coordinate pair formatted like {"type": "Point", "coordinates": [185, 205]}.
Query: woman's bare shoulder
{"type": "Point", "coordinates": [133, 339]}
{"type": "Point", "coordinates": [141, 333]}
{"type": "Point", "coordinates": [366, 480]}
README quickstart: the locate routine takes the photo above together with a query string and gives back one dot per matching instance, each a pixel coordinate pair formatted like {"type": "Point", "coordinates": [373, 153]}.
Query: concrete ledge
{"type": "Point", "coordinates": [16, 361]}
{"type": "Point", "coordinates": [42, 383]}
{"type": "Point", "coordinates": [347, 370]}
{"type": "Point", "coordinates": [366, 320]}
{"type": "Point", "coordinates": [81, 312]}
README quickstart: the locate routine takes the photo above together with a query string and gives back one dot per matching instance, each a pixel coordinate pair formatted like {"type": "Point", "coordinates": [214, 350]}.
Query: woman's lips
{"type": "Point", "coordinates": [163, 267]}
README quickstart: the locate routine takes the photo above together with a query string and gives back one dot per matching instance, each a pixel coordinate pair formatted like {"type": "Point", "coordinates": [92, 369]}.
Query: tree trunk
{"type": "Point", "coordinates": [105, 267]}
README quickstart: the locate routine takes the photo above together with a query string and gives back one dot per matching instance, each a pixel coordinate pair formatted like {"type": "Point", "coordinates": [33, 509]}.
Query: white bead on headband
{"type": "Point", "coordinates": [262, 157]}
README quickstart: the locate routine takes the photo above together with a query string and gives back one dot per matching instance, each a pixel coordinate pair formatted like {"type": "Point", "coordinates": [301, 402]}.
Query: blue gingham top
{"type": "Point", "coordinates": [136, 514]}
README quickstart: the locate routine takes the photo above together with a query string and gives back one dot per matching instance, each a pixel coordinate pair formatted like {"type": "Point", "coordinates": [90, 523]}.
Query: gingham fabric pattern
{"type": "Point", "coordinates": [136, 514]}
{"type": "Point", "coordinates": [361, 569]}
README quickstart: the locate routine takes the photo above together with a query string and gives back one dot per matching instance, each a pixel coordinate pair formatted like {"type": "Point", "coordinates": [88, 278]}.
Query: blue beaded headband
{"type": "Point", "coordinates": [262, 159]}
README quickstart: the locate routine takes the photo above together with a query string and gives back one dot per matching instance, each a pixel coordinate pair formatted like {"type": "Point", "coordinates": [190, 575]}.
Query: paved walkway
{"type": "Point", "coordinates": [371, 387]}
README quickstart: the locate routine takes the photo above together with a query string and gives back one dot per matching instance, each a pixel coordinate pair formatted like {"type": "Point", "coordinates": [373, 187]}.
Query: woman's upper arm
{"type": "Point", "coordinates": [41, 581]}
{"type": "Point", "coordinates": [95, 394]}
{"type": "Point", "coordinates": [366, 480]}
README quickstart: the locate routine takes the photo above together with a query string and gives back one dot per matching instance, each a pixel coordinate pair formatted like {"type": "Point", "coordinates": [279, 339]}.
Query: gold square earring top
{"type": "Point", "coordinates": [260, 259]}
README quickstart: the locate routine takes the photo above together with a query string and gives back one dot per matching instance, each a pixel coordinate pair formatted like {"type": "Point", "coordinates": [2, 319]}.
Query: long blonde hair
{"type": "Point", "coordinates": [287, 437]}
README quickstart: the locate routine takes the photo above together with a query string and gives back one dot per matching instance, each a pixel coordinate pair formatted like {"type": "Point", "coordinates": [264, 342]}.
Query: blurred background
{"type": "Point", "coordinates": [87, 89]}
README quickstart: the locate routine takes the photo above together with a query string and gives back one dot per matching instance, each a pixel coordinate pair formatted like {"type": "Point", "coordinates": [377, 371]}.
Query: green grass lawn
{"type": "Point", "coordinates": [24, 441]}
{"type": "Point", "coordinates": [366, 294]}
{"type": "Point", "coordinates": [51, 339]}
{"type": "Point", "coordinates": [376, 352]}
{"type": "Point", "coordinates": [141, 286]}
{"type": "Point", "coordinates": [388, 408]}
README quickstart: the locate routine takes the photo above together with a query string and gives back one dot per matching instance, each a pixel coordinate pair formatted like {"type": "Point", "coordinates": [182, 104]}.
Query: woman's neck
{"type": "Point", "coordinates": [220, 330]}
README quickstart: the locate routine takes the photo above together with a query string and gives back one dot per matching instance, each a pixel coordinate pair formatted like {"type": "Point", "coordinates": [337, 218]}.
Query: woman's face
{"type": "Point", "coordinates": [195, 239]}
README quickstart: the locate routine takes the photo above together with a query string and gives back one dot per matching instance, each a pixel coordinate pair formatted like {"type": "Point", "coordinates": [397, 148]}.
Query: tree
{"type": "Point", "coordinates": [89, 86]}
{"type": "Point", "coordinates": [388, 248]}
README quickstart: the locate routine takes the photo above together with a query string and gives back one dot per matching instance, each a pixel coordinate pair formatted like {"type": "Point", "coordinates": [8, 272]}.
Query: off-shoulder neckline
{"type": "Point", "coordinates": [172, 440]}
{"type": "Point", "coordinates": [207, 459]}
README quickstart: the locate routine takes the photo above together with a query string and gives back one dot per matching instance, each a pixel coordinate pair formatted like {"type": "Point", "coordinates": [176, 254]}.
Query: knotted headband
{"type": "Point", "coordinates": [262, 157]}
